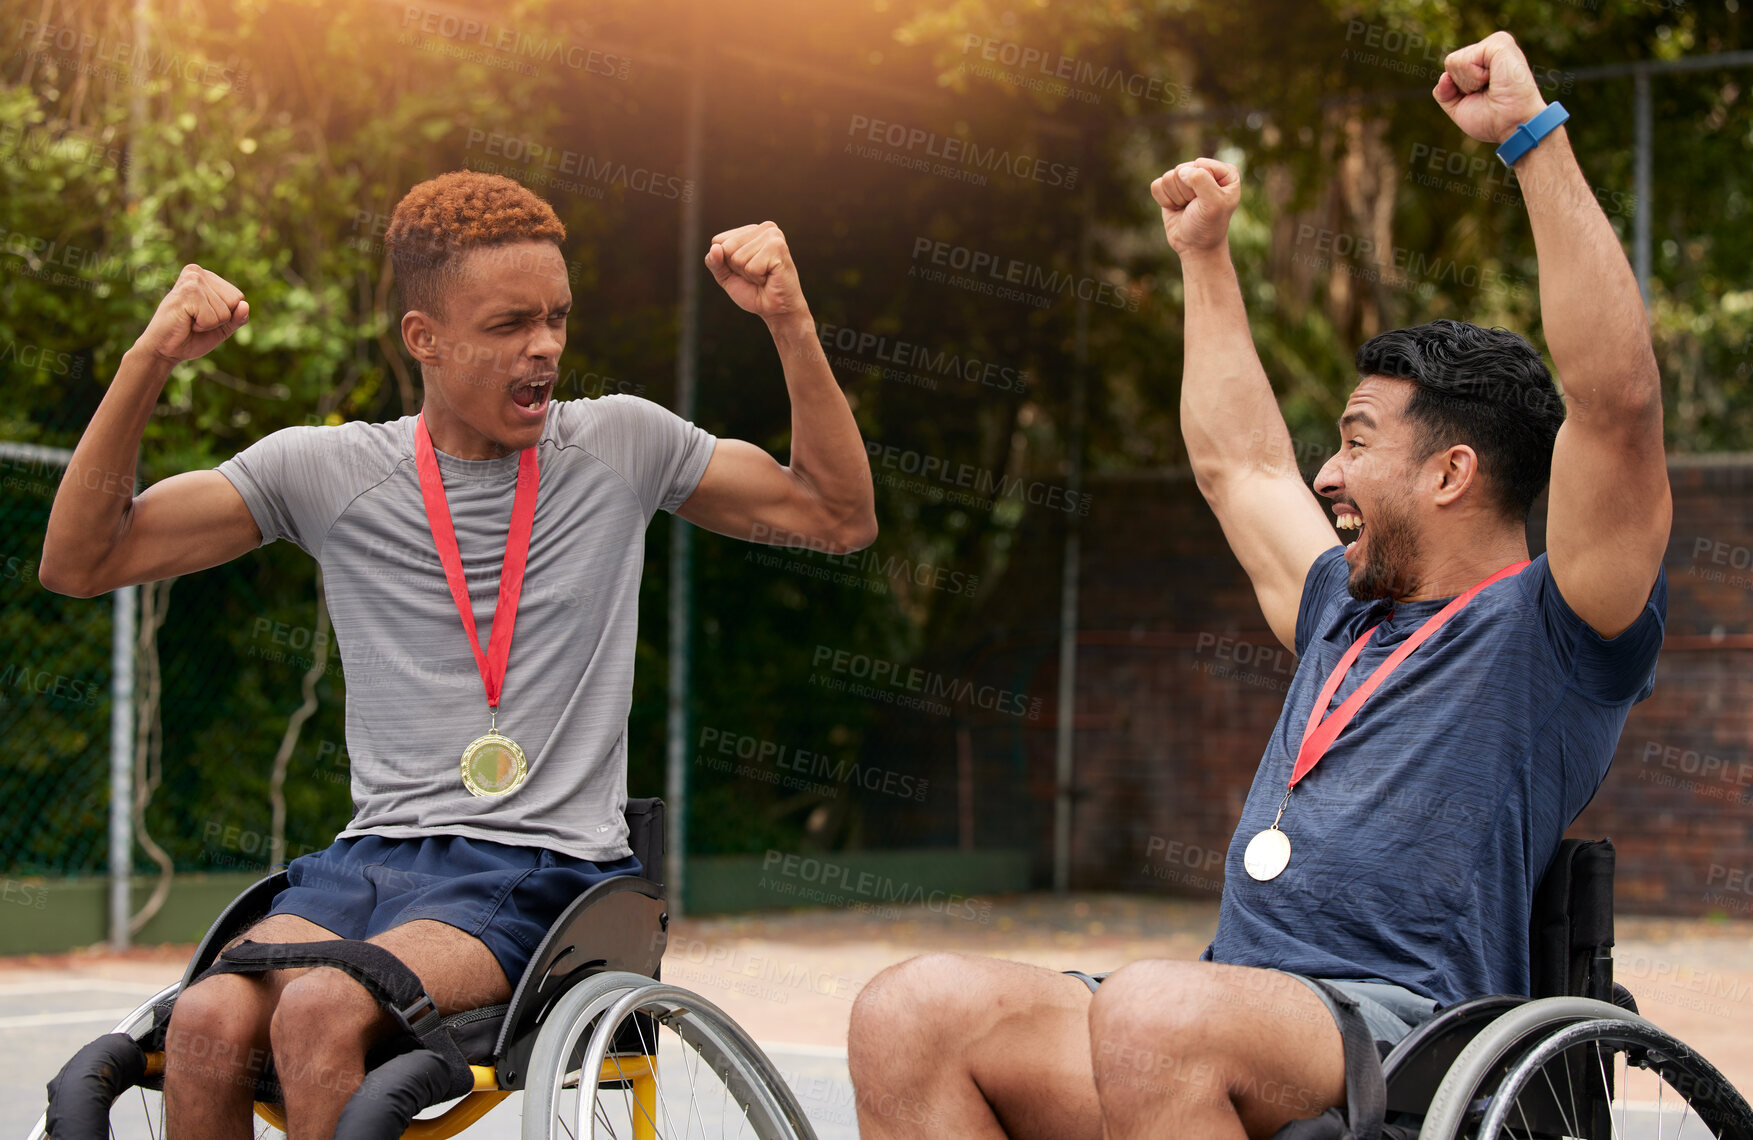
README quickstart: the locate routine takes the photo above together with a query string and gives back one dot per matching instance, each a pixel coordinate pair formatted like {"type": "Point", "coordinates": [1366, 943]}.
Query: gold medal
{"type": "Point", "coordinates": [493, 765]}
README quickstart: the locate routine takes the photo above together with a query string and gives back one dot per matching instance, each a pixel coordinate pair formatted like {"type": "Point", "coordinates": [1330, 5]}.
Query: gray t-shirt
{"type": "Point", "coordinates": [350, 497]}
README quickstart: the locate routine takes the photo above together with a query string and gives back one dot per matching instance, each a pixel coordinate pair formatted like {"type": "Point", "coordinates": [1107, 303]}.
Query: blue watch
{"type": "Point", "coordinates": [1528, 135]}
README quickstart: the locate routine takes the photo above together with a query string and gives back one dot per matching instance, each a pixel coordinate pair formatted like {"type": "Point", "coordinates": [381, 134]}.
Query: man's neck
{"type": "Point", "coordinates": [455, 438]}
{"type": "Point", "coordinates": [1456, 567]}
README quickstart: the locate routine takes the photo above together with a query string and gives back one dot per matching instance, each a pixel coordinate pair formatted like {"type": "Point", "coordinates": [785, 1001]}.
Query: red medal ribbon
{"type": "Point", "coordinates": [517, 550]}
{"type": "Point", "coordinates": [1320, 733]}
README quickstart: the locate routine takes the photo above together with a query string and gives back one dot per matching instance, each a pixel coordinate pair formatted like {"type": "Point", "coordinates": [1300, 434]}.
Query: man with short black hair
{"type": "Point", "coordinates": [498, 510]}
{"type": "Point", "coordinates": [1454, 709]}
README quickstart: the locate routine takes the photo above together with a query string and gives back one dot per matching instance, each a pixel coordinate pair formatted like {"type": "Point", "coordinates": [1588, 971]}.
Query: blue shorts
{"type": "Point", "coordinates": [503, 895]}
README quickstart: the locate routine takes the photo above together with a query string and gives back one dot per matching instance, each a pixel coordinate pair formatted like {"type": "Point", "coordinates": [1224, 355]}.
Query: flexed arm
{"type": "Point", "coordinates": [825, 496]}
{"type": "Point", "coordinates": [100, 535]}
{"type": "Point", "coordinates": [1237, 443]}
{"type": "Point", "coordinates": [1610, 508]}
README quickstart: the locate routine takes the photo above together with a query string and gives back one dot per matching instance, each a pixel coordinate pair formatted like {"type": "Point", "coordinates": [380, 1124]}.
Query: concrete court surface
{"type": "Point", "coordinates": [789, 978]}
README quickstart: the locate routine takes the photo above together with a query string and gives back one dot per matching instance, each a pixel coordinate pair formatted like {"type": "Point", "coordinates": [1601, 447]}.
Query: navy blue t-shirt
{"type": "Point", "coordinates": [1418, 840]}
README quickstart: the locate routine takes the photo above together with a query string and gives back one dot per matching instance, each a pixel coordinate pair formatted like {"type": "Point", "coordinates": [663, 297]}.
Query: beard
{"type": "Point", "coordinates": [1388, 557]}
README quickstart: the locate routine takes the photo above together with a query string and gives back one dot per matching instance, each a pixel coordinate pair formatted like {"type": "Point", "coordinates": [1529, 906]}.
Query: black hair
{"type": "Point", "coordinates": [1486, 388]}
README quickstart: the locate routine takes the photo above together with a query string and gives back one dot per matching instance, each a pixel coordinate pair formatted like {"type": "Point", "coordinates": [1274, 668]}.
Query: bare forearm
{"type": "Point", "coordinates": [1590, 307]}
{"type": "Point", "coordinates": [97, 492]}
{"type": "Point", "coordinates": [827, 449]}
{"type": "Point", "coordinates": [1229, 415]}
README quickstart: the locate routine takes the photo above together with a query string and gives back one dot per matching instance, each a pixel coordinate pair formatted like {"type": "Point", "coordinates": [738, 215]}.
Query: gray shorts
{"type": "Point", "coordinates": [1389, 1011]}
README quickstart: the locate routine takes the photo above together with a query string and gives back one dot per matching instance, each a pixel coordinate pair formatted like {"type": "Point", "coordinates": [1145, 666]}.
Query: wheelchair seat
{"type": "Point", "coordinates": [592, 988]}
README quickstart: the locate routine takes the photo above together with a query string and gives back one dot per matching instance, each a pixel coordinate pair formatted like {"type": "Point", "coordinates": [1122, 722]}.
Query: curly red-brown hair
{"type": "Point", "coordinates": [438, 221]}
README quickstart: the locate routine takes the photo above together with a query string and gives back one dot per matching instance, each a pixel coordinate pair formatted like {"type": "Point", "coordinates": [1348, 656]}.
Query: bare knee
{"type": "Point", "coordinates": [1156, 1030]}
{"type": "Point", "coordinates": [910, 1003]}
{"type": "Point", "coordinates": [323, 1014]}
{"type": "Point", "coordinates": [216, 1024]}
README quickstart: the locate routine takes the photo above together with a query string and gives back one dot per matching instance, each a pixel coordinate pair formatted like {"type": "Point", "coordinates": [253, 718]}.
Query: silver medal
{"type": "Point", "coordinates": [1268, 854]}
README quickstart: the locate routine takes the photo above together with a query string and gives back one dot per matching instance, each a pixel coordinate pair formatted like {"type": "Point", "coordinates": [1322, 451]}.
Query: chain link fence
{"type": "Point", "coordinates": [54, 691]}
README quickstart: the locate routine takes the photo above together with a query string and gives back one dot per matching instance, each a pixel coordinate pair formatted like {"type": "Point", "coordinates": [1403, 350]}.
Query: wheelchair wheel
{"type": "Point", "coordinates": [1615, 1079]}
{"type": "Point", "coordinates": [1479, 1080]}
{"type": "Point", "coordinates": [623, 1056]}
{"type": "Point", "coordinates": [138, 1113]}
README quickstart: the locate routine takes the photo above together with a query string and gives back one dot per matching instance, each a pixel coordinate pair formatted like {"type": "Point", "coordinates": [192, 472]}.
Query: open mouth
{"type": "Point", "coordinates": [533, 393]}
{"type": "Point", "coordinates": [1345, 517]}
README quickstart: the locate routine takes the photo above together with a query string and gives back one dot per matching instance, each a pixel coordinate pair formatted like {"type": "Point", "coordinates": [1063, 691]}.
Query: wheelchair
{"type": "Point", "coordinates": [1573, 1060]}
{"type": "Point", "coordinates": [592, 1037]}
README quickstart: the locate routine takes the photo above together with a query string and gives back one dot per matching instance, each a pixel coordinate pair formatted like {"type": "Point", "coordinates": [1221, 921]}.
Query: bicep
{"type": "Point", "coordinates": [185, 523]}
{"type": "Point", "coordinates": [1277, 529]}
{"type": "Point", "coordinates": [1609, 516]}
{"type": "Point", "coordinates": [746, 493]}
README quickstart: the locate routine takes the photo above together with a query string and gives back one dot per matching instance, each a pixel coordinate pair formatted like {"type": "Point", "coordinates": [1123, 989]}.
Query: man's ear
{"type": "Point", "coordinates": [420, 334]}
{"type": "Point", "coordinates": [1457, 469]}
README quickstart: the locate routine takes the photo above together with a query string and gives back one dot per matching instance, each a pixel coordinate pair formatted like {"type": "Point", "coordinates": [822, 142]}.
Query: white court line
{"type": "Point", "coordinates": [29, 1020]}
{"type": "Point", "coordinates": [81, 985]}
{"type": "Point", "coordinates": [806, 1050]}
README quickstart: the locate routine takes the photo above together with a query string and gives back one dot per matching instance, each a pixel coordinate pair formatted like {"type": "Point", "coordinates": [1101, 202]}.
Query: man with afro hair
{"type": "Point", "coordinates": [456, 869]}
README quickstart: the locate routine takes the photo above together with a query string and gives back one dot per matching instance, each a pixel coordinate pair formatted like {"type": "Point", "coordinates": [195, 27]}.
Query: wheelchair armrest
{"type": "Point", "coordinates": [618, 924]}
{"type": "Point", "coordinates": [245, 910]}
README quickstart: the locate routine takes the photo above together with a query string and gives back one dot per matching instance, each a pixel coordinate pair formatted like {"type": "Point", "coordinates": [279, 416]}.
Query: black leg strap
{"type": "Point", "coordinates": [386, 977]}
{"type": "Point", "coordinates": [433, 1070]}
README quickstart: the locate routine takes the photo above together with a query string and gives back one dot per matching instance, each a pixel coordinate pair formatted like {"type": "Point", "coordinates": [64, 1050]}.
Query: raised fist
{"type": "Point", "coordinates": [753, 265]}
{"type": "Point", "coordinates": [1198, 198]}
{"type": "Point", "coordinates": [1488, 88]}
{"type": "Point", "coordinates": [200, 310]}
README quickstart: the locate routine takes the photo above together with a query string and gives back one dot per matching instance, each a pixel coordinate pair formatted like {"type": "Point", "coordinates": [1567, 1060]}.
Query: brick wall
{"type": "Point", "coordinates": [1179, 684]}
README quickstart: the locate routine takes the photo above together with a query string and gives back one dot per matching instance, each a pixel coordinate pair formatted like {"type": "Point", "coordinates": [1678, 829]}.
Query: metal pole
{"type": "Point", "coordinates": [681, 534]}
{"type": "Point", "coordinates": [121, 763]}
{"type": "Point", "coordinates": [1640, 242]}
{"type": "Point", "coordinates": [1066, 714]}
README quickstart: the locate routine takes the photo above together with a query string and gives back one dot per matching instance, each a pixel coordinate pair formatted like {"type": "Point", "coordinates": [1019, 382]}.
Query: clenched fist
{"type": "Point", "coordinates": [200, 310]}
{"type": "Point", "coordinates": [1488, 88]}
{"type": "Point", "coordinates": [753, 265]}
{"type": "Point", "coordinates": [1198, 198]}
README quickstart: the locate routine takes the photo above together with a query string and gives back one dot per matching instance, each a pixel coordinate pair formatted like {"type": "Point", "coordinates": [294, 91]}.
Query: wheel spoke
{"type": "Point", "coordinates": [1570, 1122]}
